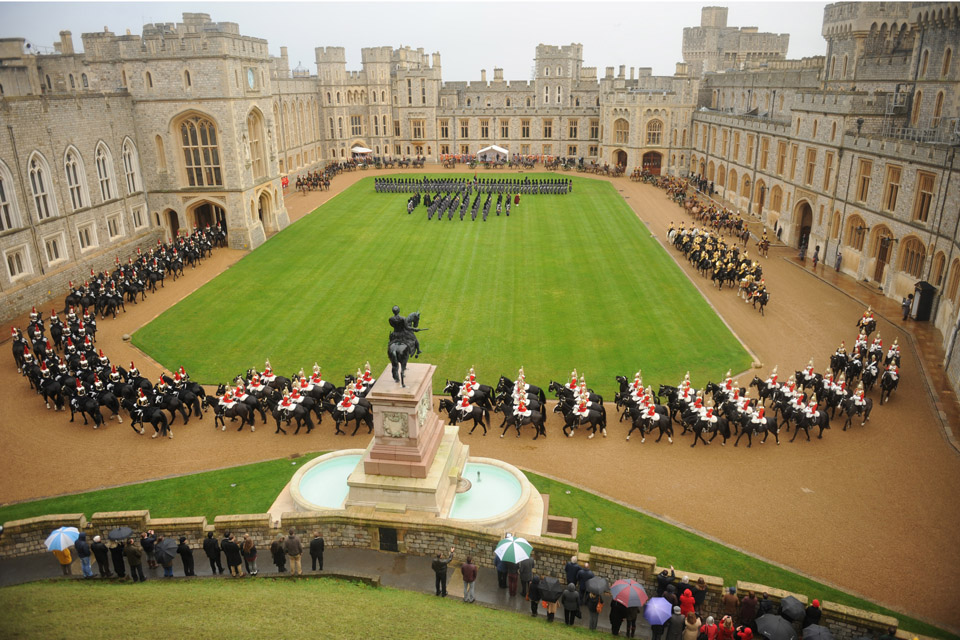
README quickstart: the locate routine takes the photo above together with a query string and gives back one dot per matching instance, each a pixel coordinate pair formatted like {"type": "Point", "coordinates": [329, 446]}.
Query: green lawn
{"type": "Point", "coordinates": [565, 282]}
{"type": "Point", "coordinates": [201, 494]}
{"type": "Point", "coordinates": [209, 493]}
{"type": "Point", "coordinates": [255, 608]}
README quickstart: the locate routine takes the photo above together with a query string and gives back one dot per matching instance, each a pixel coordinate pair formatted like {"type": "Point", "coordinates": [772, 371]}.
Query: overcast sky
{"type": "Point", "coordinates": [469, 35]}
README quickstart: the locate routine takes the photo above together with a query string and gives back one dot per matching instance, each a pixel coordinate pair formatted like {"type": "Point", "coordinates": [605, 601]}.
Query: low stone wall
{"type": "Point", "coordinates": [418, 537]}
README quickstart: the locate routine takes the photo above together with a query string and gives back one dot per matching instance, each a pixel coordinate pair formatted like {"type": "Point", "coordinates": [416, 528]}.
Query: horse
{"type": "Point", "coordinates": [821, 420]}
{"type": "Point", "coordinates": [85, 406]}
{"type": "Point", "coordinates": [751, 426]}
{"type": "Point", "coordinates": [888, 384]}
{"type": "Point", "coordinates": [536, 418]}
{"type": "Point", "coordinates": [565, 393]}
{"type": "Point", "coordinates": [153, 415]}
{"type": "Point", "coordinates": [479, 415]}
{"type": "Point", "coordinates": [294, 412]}
{"type": "Point", "coordinates": [50, 389]}
{"type": "Point", "coordinates": [595, 418]}
{"type": "Point", "coordinates": [360, 414]}
{"type": "Point", "coordinates": [532, 402]}
{"type": "Point", "coordinates": [110, 401]}
{"type": "Point", "coordinates": [481, 393]}
{"type": "Point", "coordinates": [851, 408]}
{"type": "Point", "coordinates": [505, 385]}
{"type": "Point", "coordinates": [170, 402]}
{"type": "Point", "coordinates": [764, 390]}
{"type": "Point", "coordinates": [399, 351]}
{"type": "Point", "coordinates": [646, 424]}
{"type": "Point", "coordinates": [763, 299]}
{"type": "Point", "coordinates": [239, 410]}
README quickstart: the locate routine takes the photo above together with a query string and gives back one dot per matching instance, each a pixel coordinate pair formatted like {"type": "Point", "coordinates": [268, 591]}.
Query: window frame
{"type": "Point", "coordinates": [26, 268]}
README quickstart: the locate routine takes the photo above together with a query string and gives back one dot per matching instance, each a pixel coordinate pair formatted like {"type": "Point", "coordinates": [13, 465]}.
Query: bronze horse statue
{"type": "Point", "coordinates": [403, 342]}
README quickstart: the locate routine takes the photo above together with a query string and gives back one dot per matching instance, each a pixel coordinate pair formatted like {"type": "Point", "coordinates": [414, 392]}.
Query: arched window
{"type": "Point", "coordinates": [338, 97]}
{"type": "Point", "coordinates": [201, 151]}
{"type": "Point", "coordinates": [105, 172]}
{"type": "Point", "coordinates": [508, 102]}
{"type": "Point", "coordinates": [924, 59]}
{"type": "Point", "coordinates": [546, 95]}
{"type": "Point", "coordinates": [148, 80]}
{"type": "Point", "coordinates": [954, 281]}
{"type": "Point", "coordinates": [528, 102]}
{"type": "Point", "coordinates": [558, 94]}
{"type": "Point", "coordinates": [937, 110]}
{"type": "Point", "coordinates": [383, 96]}
{"type": "Point", "coordinates": [131, 166]}
{"type": "Point", "coordinates": [855, 233]}
{"type": "Point", "coordinates": [844, 74]}
{"type": "Point", "coordinates": [947, 59]}
{"type": "Point", "coordinates": [49, 84]}
{"type": "Point", "coordinates": [833, 131]}
{"type": "Point", "coordinates": [332, 130]}
{"type": "Point", "coordinates": [721, 175]}
{"type": "Point", "coordinates": [161, 155]}
{"type": "Point", "coordinates": [776, 198]}
{"type": "Point", "coordinates": [73, 84]}
{"type": "Point", "coordinates": [683, 138]}
{"type": "Point", "coordinates": [939, 261]}
{"type": "Point", "coordinates": [621, 131]}
{"type": "Point", "coordinates": [187, 83]}
{"type": "Point", "coordinates": [913, 254]}
{"type": "Point", "coordinates": [917, 102]}
{"type": "Point", "coordinates": [83, 80]}
{"type": "Point", "coordinates": [329, 100]}
{"type": "Point", "coordinates": [255, 133]}
{"type": "Point", "coordinates": [340, 127]}
{"type": "Point", "coordinates": [9, 219]}
{"type": "Point", "coordinates": [43, 201]}
{"type": "Point", "coordinates": [73, 168]}
{"type": "Point", "coordinates": [655, 132]}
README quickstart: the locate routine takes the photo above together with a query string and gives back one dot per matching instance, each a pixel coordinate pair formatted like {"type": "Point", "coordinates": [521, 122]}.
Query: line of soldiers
{"type": "Point", "coordinates": [708, 252]}
{"type": "Point", "coordinates": [482, 185]}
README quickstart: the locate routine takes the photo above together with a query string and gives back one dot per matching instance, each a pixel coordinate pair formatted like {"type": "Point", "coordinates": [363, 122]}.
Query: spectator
{"type": "Point", "coordinates": [891, 634]}
{"type": "Point", "coordinates": [594, 604]}
{"type": "Point", "coordinates": [513, 577]}
{"type": "Point", "coordinates": [469, 572]}
{"type": "Point", "coordinates": [744, 633]}
{"type": "Point", "coordinates": [232, 552]}
{"type": "Point", "coordinates": [618, 614]}
{"type": "Point", "coordinates": [671, 595]}
{"type": "Point", "coordinates": [811, 616]}
{"type": "Point", "coordinates": [212, 549]}
{"type": "Point", "coordinates": [674, 626]}
{"type": "Point", "coordinates": [687, 603]}
{"type": "Point", "coordinates": [65, 559]}
{"type": "Point", "coordinates": [101, 553]}
{"type": "Point", "coordinates": [726, 630]}
{"type": "Point", "coordinates": [533, 595]}
{"type": "Point", "coordinates": [316, 551]}
{"type": "Point", "coordinates": [293, 549]}
{"type": "Point", "coordinates": [439, 567]}
{"type": "Point", "coordinates": [765, 605]}
{"type": "Point", "coordinates": [116, 554]}
{"type": "Point", "coordinates": [249, 551]}
{"type": "Point", "coordinates": [699, 591]}
{"type": "Point", "coordinates": [501, 568]}
{"type": "Point", "coordinates": [135, 560]}
{"type": "Point", "coordinates": [526, 574]}
{"type": "Point", "coordinates": [710, 629]}
{"type": "Point", "coordinates": [572, 568]}
{"type": "Point", "coordinates": [582, 576]}
{"type": "Point", "coordinates": [691, 626]}
{"type": "Point", "coordinates": [730, 603]}
{"type": "Point", "coordinates": [168, 564]}
{"type": "Point", "coordinates": [551, 608]}
{"type": "Point", "coordinates": [83, 552]}
{"type": "Point", "coordinates": [816, 256]}
{"type": "Point", "coordinates": [632, 614]}
{"type": "Point", "coordinates": [279, 557]}
{"type": "Point", "coordinates": [664, 579]}
{"type": "Point", "coordinates": [148, 542]}
{"type": "Point", "coordinates": [186, 557]}
{"type": "Point", "coordinates": [748, 609]}
{"type": "Point", "coordinates": [906, 306]}
{"type": "Point", "coordinates": [570, 598]}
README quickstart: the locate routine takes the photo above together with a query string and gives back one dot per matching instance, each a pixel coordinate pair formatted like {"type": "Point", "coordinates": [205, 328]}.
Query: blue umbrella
{"type": "Point", "coordinates": [62, 538]}
{"type": "Point", "coordinates": [658, 610]}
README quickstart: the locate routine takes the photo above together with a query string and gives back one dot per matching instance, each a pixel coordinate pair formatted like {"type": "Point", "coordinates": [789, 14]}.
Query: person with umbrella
{"type": "Point", "coordinates": [186, 556]}
{"type": "Point", "coordinates": [59, 541]}
{"type": "Point", "coordinates": [101, 553]}
{"type": "Point", "coordinates": [791, 609]}
{"type": "Point", "coordinates": [165, 550]}
{"type": "Point", "coordinates": [570, 598]}
{"type": "Point", "coordinates": [550, 591]}
{"type": "Point", "coordinates": [526, 568]}
{"type": "Point", "coordinates": [771, 627]}
{"type": "Point", "coordinates": [618, 614]}
{"type": "Point", "coordinates": [116, 554]}
{"type": "Point", "coordinates": [533, 595]}
{"type": "Point", "coordinates": [595, 588]}
{"type": "Point", "coordinates": [135, 560]}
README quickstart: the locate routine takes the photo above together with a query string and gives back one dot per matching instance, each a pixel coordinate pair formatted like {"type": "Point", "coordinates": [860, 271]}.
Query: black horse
{"type": "Point", "coordinates": [359, 415]}
{"type": "Point", "coordinates": [403, 343]}
{"type": "Point", "coordinates": [805, 422]}
{"type": "Point", "coordinates": [536, 418]}
{"type": "Point", "coordinates": [482, 393]}
{"type": "Point", "coordinates": [239, 410]}
{"type": "Point", "coordinates": [479, 415]}
{"type": "Point", "coordinates": [851, 408]}
{"type": "Point", "coordinates": [594, 419]}
{"type": "Point", "coordinates": [888, 384]}
{"type": "Point", "coordinates": [153, 415]}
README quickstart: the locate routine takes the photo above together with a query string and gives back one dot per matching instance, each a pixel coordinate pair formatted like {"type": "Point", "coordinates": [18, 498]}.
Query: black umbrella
{"type": "Point", "coordinates": [597, 586]}
{"type": "Point", "coordinates": [120, 533]}
{"type": "Point", "coordinates": [165, 550]}
{"type": "Point", "coordinates": [816, 632]}
{"type": "Point", "coordinates": [774, 627]}
{"type": "Point", "coordinates": [550, 589]}
{"type": "Point", "coordinates": [791, 609]}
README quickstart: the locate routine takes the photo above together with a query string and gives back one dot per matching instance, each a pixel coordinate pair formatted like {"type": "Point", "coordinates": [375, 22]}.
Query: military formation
{"type": "Point", "coordinates": [525, 186]}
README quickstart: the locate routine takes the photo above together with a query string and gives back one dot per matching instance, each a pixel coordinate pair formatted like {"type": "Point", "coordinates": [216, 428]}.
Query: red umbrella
{"type": "Point", "coordinates": [629, 593]}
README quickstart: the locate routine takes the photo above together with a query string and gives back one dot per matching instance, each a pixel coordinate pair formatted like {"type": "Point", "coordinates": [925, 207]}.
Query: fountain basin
{"type": "Point", "coordinates": [321, 484]}
{"type": "Point", "coordinates": [495, 499]}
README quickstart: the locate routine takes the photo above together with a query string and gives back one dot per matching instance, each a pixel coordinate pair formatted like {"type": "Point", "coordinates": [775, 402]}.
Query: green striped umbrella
{"type": "Point", "coordinates": [513, 550]}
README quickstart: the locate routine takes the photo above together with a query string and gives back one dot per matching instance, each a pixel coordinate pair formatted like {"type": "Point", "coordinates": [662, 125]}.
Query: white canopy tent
{"type": "Point", "coordinates": [493, 152]}
{"type": "Point", "coordinates": [360, 150]}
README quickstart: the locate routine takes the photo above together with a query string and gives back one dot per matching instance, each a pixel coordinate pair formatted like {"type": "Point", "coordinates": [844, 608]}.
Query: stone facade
{"type": "Point", "coordinates": [417, 537]}
{"type": "Point", "coordinates": [713, 46]}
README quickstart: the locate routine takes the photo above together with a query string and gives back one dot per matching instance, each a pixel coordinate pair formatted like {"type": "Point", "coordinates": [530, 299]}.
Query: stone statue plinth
{"type": "Point", "coordinates": [414, 461]}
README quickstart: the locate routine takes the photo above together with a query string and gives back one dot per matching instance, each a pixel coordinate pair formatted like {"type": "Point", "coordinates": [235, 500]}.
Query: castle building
{"type": "Point", "coordinates": [142, 137]}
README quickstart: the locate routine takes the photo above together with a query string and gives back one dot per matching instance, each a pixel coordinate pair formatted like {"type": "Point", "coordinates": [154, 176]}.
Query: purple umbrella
{"type": "Point", "coordinates": [658, 610]}
{"type": "Point", "coordinates": [628, 592]}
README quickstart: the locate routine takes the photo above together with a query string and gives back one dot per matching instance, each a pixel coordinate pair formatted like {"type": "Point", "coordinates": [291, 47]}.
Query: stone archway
{"type": "Point", "coordinates": [266, 214]}
{"type": "Point", "coordinates": [651, 162]}
{"type": "Point", "coordinates": [620, 158]}
{"type": "Point", "coordinates": [173, 222]}
{"type": "Point", "coordinates": [206, 213]}
{"type": "Point", "coordinates": [803, 214]}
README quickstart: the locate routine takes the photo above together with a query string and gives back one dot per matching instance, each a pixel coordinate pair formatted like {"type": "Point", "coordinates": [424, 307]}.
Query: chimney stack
{"type": "Point", "coordinates": [66, 43]}
{"type": "Point", "coordinates": [483, 76]}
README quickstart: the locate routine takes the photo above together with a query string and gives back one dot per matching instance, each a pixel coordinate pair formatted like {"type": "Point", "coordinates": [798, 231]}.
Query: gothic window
{"type": "Point", "coordinates": [73, 167]}
{"type": "Point", "coordinates": [105, 172]}
{"type": "Point", "coordinates": [8, 206]}
{"type": "Point", "coordinates": [621, 131]}
{"type": "Point", "coordinates": [201, 152]}
{"type": "Point", "coordinates": [131, 166]}
{"type": "Point", "coordinates": [255, 133]}
{"type": "Point", "coordinates": [43, 201]}
{"type": "Point", "coordinates": [654, 132]}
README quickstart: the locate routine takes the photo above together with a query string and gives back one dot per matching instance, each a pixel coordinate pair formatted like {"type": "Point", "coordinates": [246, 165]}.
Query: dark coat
{"type": "Point", "coordinates": [663, 580]}
{"type": "Point", "coordinates": [212, 548]}
{"type": "Point", "coordinates": [811, 616]}
{"type": "Point", "coordinates": [572, 569]}
{"type": "Point", "coordinates": [469, 572]}
{"type": "Point", "coordinates": [617, 613]}
{"type": "Point", "coordinates": [82, 546]}
{"type": "Point", "coordinates": [148, 543]}
{"type": "Point", "coordinates": [526, 569]}
{"type": "Point", "coordinates": [134, 555]}
{"type": "Point", "coordinates": [582, 577]}
{"type": "Point", "coordinates": [764, 607]}
{"type": "Point", "coordinates": [186, 553]}
{"type": "Point", "coordinates": [439, 565]}
{"type": "Point", "coordinates": [673, 630]}
{"type": "Point", "coordinates": [570, 598]}
{"type": "Point", "coordinates": [316, 547]}
{"type": "Point", "coordinates": [534, 589]}
{"type": "Point", "coordinates": [99, 552]}
{"type": "Point", "coordinates": [116, 553]}
{"type": "Point", "coordinates": [232, 552]}
{"type": "Point", "coordinates": [748, 610]}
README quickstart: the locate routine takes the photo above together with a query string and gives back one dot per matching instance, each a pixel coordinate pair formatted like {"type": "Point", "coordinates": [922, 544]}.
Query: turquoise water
{"type": "Point", "coordinates": [496, 491]}
{"type": "Point", "coordinates": [325, 485]}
